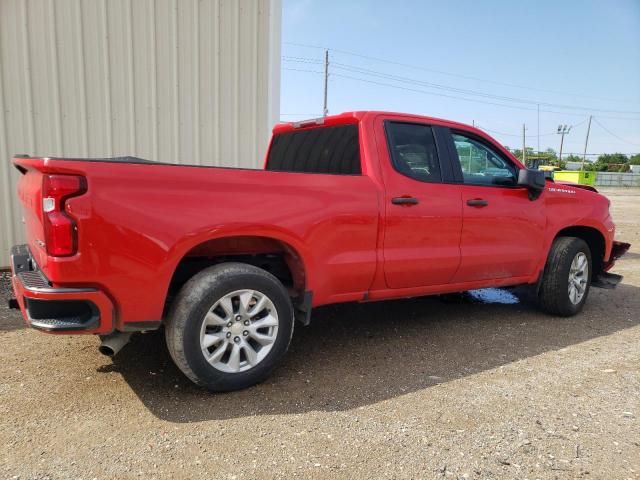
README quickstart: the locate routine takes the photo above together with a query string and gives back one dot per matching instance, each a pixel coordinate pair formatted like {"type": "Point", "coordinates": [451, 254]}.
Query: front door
{"type": "Point", "coordinates": [502, 229]}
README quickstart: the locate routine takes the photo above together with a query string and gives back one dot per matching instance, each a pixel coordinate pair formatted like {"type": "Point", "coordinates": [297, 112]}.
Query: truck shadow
{"type": "Point", "coordinates": [359, 354]}
{"type": "Point", "coordinates": [631, 256]}
{"type": "Point", "coordinates": [9, 319]}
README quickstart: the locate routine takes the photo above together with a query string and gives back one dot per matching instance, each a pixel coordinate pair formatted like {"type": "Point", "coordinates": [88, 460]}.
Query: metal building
{"type": "Point", "coordinates": [187, 81]}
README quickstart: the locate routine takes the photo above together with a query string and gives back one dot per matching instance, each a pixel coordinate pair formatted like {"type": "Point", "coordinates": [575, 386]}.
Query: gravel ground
{"type": "Point", "coordinates": [407, 389]}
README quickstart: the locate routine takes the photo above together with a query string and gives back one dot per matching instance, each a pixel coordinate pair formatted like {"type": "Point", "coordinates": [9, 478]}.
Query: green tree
{"type": "Point", "coordinates": [612, 162]}
{"type": "Point", "coordinates": [518, 153]}
{"type": "Point", "coordinates": [635, 159]}
{"type": "Point", "coordinates": [552, 158]}
{"type": "Point", "coordinates": [551, 153]}
{"type": "Point", "coordinates": [613, 158]}
{"type": "Point", "coordinates": [590, 166]}
{"type": "Point", "coordinates": [573, 158]}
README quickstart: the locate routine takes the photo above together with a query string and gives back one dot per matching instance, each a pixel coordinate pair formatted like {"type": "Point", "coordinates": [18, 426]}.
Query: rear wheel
{"type": "Point", "coordinates": [567, 277]}
{"type": "Point", "coordinates": [229, 326]}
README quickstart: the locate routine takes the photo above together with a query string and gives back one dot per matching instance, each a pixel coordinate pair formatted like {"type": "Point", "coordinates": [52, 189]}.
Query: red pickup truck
{"type": "Point", "coordinates": [361, 206]}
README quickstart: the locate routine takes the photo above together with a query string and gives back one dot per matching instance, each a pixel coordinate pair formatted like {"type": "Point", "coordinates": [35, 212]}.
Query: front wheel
{"type": "Point", "coordinates": [229, 326]}
{"type": "Point", "coordinates": [566, 278]}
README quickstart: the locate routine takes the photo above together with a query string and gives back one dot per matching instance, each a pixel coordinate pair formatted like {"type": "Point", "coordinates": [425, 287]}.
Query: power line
{"type": "Point", "coordinates": [538, 127]}
{"type": "Point", "coordinates": [614, 135]}
{"type": "Point", "coordinates": [577, 154]}
{"type": "Point", "coordinates": [301, 70]}
{"type": "Point", "coordinates": [467, 77]}
{"type": "Point", "coordinates": [301, 59]}
{"type": "Point", "coordinates": [398, 78]}
{"type": "Point", "coordinates": [418, 82]}
{"type": "Point", "coordinates": [429, 93]}
{"type": "Point", "coordinates": [413, 81]}
{"type": "Point", "coordinates": [509, 134]}
{"type": "Point", "coordinates": [367, 71]}
{"type": "Point", "coordinates": [519, 134]}
{"type": "Point", "coordinates": [449, 96]}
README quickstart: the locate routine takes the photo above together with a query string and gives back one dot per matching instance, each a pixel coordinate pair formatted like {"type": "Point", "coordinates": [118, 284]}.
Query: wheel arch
{"type": "Point", "coordinates": [275, 254]}
{"type": "Point", "coordinates": [593, 237]}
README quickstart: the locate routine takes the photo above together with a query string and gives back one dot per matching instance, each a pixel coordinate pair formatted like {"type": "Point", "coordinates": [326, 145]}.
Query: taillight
{"type": "Point", "coordinates": [60, 229]}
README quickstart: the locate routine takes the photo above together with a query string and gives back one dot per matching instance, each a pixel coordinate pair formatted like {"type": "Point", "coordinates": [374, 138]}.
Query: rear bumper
{"type": "Point", "coordinates": [53, 309]}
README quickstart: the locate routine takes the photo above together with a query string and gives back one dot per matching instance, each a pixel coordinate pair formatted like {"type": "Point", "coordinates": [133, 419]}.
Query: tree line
{"type": "Point", "coordinates": [608, 162]}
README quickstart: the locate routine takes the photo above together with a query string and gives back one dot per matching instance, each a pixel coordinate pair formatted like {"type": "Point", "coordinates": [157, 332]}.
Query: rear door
{"type": "Point", "coordinates": [422, 212]}
{"type": "Point", "coordinates": [502, 229]}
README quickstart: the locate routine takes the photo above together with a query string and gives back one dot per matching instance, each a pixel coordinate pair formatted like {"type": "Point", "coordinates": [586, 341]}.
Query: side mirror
{"type": "Point", "coordinates": [534, 180]}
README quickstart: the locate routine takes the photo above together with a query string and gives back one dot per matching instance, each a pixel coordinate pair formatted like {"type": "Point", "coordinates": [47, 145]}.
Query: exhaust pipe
{"type": "Point", "coordinates": [113, 343]}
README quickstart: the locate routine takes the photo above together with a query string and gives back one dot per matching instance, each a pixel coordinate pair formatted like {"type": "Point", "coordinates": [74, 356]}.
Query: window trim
{"type": "Point", "coordinates": [457, 164]}
{"type": "Point", "coordinates": [444, 177]}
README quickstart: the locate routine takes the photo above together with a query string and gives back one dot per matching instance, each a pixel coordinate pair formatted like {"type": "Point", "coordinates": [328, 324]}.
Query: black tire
{"type": "Point", "coordinates": [554, 297]}
{"type": "Point", "coordinates": [197, 297]}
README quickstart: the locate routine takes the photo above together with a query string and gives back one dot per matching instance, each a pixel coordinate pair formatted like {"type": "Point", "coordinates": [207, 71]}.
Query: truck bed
{"type": "Point", "coordinates": [125, 159]}
{"type": "Point", "coordinates": [136, 222]}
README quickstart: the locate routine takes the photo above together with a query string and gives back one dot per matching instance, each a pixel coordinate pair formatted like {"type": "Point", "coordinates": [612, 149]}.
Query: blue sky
{"type": "Point", "coordinates": [572, 57]}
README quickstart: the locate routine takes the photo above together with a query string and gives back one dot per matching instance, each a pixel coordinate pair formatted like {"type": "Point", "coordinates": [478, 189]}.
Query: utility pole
{"type": "Point", "coordinates": [586, 142]}
{"type": "Point", "coordinates": [524, 146]}
{"type": "Point", "coordinates": [562, 130]}
{"type": "Point", "coordinates": [538, 129]}
{"type": "Point", "coordinates": [325, 110]}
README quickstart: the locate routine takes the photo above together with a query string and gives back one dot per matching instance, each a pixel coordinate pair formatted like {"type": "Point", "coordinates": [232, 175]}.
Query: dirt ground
{"type": "Point", "coordinates": [405, 389]}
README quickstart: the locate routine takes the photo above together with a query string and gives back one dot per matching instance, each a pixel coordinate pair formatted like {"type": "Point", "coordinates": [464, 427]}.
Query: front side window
{"type": "Point", "coordinates": [481, 165]}
{"type": "Point", "coordinates": [413, 151]}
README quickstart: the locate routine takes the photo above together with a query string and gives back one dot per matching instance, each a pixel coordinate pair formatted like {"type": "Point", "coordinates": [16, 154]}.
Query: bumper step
{"type": "Point", "coordinates": [63, 325]}
{"type": "Point", "coordinates": [62, 315]}
{"type": "Point", "coordinates": [51, 308]}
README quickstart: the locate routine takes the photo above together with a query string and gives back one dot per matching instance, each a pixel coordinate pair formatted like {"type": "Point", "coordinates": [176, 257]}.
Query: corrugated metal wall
{"type": "Point", "coordinates": [187, 81]}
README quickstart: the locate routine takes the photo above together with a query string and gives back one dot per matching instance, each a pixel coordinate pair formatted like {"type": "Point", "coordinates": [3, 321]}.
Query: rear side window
{"type": "Point", "coordinates": [413, 151]}
{"type": "Point", "coordinates": [334, 150]}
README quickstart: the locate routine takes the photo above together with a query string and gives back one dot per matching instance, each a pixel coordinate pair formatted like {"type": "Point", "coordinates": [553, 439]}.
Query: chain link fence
{"type": "Point", "coordinates": [614, 179]}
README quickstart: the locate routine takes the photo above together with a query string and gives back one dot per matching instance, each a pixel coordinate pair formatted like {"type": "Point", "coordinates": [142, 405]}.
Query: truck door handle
{"type": "Point", "coordinates": [405, 201]}
{"type": "Point", "coordinates": [477, 202]}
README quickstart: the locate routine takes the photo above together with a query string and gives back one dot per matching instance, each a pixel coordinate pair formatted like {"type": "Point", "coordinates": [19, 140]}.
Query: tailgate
{"type": "Point", "coordinates": [30, 196]}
